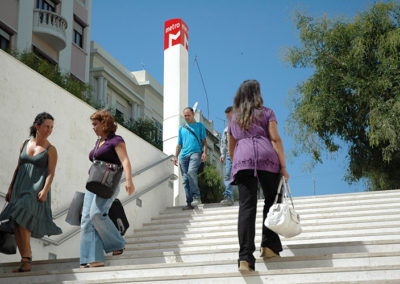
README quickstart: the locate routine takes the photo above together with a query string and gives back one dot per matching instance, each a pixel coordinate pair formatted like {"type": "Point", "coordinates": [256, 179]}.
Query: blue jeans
{"type": "Point", "coordinates": [189, 166]}
{"type": "Point", "coordinates": [228, 187]}
{"type": "Point", "coordinates": [98, 232]}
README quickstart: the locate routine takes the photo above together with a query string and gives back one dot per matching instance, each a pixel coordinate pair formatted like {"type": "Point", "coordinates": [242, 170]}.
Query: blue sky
{"type": "Point", "coordinates": [233, 40]}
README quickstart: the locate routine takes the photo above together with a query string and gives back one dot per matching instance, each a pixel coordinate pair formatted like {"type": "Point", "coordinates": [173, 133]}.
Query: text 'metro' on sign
{"type": "Point", "coordinates": [175, 32]}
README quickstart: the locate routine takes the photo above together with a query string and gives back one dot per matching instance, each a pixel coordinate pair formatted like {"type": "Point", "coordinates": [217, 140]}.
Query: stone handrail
{"type": "Point", "coordinates": [64, 211]}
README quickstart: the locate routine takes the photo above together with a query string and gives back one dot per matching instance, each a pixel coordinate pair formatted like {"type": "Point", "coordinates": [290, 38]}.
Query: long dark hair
{"type": "Point", "coordinates": [247, 98]}
{"type": "Point", "coordinates": [38, 121]}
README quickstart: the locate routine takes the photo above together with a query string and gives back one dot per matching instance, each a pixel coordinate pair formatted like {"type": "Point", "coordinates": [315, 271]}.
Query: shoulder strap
{"type": "Point", "coordinates": [191, 131]}
{"type": "Point", "coordinates": [23, 146]}
{"type": "Point", "coordinates": [95, 149]}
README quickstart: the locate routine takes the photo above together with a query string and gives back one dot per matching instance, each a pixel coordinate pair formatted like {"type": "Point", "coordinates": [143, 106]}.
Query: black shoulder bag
{"type": "Point", "coordinates": [103, 177]}
{"type": "Point", "coordinates": [201, 167]}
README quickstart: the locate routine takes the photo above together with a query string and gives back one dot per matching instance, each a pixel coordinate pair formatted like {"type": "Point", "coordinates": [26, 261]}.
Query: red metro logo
{"type": "Point", "coordinates": [175, 32]}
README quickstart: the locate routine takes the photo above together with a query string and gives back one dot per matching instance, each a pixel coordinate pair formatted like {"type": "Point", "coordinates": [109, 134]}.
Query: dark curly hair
{"type": "Point", "coordinates": [109, 124]}
{"type": "Point", "coordinates": [38, 121]}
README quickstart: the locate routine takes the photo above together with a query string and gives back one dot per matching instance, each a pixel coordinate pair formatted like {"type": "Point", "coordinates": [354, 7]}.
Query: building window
{"type": "Point", "coordinates": [78, 34]}
{"type": "Point", "coordinates": [46, 5]}
{"type": "Point", "coordinates": [4, 39]}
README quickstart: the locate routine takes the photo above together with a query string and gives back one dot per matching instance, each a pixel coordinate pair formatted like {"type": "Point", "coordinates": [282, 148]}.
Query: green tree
{"type": "Point", "coordinates": [146, 129]}
{"type": "Point", "coordinates": [353, 95]}
{"type": "Point", "coordinates": [51, 72]}
{"type": "Point", "coordinates": [143, 128]}
{"type": "Point", "coordinates": [211, 185]}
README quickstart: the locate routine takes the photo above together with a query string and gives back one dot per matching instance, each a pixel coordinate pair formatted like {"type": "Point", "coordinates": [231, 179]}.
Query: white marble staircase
{"type": "Point", "coordinates": [347, 238]}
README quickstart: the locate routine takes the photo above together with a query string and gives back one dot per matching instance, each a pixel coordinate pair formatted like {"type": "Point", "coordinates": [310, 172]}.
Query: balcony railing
{"type": "Point", "coordinates": [50, 27]}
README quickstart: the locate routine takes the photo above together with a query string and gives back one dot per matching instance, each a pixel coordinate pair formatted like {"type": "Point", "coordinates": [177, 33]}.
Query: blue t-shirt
{"type": "Point", "coordinates": [189, 143]}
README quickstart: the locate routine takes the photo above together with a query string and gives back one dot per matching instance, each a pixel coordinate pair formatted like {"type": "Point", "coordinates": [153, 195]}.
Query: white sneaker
{"type": "Point", "coordinates": [196, 201]}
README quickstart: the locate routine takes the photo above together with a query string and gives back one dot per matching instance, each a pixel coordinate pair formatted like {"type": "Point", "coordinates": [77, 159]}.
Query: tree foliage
{"type": "Point", "coordinates": [143, 128]}
{"type": "Point", "coordinates": [211, 185]}
{"type": "Point", "coordinates": [353, 94]}
{"type": "Point", "coordinates": [51, 72]}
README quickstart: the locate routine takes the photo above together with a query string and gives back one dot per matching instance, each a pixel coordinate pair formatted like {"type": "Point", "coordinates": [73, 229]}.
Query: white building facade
{"type": "Point", "coordinates": [132, 95]}
{"type": "Point", "coordinates": [56, 30]}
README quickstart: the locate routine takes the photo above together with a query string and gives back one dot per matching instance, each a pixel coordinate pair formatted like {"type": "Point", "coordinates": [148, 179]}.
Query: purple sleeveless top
{"type": "Point", "coordinates": [254, 148]}
{"type": "Point", "coordinates": [106, 152]}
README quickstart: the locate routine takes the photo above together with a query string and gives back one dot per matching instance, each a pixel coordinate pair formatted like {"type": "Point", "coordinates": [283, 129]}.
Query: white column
{"type": "Point", "coordinates": [25, 23]}
{"type": "Point", "coordinates": [67, 12]}
{"type": "Point", "coordinates": [175, 91]}
{"type": "Point", "coordinates": [113, 103]}
{"type": "Point", "coordinates": [136, 110]}
{"type": "Point", "coordinates": [100, 86]}
{"type": "Point", "coordinates": [105, 96]}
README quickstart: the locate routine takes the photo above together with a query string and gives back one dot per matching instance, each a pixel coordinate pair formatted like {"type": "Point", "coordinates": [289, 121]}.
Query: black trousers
{"type": "Point", "coordinates": [248, 184]}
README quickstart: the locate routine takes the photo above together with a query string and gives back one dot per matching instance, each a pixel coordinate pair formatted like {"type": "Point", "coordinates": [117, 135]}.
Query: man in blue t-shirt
{"type": "Point", "coordinates": [192, 147]}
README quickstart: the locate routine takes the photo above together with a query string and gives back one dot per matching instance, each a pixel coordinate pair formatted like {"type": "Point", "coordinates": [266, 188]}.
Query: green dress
{"type": "Point", "coordinates": [24, 208]}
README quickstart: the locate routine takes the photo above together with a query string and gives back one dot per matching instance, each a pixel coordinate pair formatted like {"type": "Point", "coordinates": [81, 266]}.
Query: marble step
{"type": "Point", "coordinates": [217, 220]}
{"type": "Point", "coordinates": [353, 198]}
{"type": "Point", "coordinates": [388, 274]}
{"type": "Point", "coordinates": [232, 224]}
{"type": "Point", "coordinates": [203, 211]}
{"type": "Point", "coordinates": [232, 231]}
{"type": "Point", "coordinates": [233, 243]}
{"type": "Point", "coordinates": [387, 209]}
{"type": "Point", "coordinates": [135, 258]}
{"type": "Point", "coordinates": [112, 273]}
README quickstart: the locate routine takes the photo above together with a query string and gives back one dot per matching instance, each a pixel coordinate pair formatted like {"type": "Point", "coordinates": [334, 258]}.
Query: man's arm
{"type": "Point", "coordinates": [204, 155]}
{"type": "Point", "coordinates": [224, 145]}
{"type": "Point", "coordinates": [177, 152]}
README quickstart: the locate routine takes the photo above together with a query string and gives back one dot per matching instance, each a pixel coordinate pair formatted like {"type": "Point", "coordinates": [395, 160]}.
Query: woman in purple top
{"type": "Point", "coordinates": [98, 232]}
{"type": "Point", "coordinates": [257, 154]}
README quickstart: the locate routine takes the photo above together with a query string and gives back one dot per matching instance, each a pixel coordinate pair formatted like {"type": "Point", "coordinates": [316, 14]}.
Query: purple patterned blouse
{"type": "Point", "coordinates": [254, 148]}
{"type": "Point", "coordinates": [106, 152]}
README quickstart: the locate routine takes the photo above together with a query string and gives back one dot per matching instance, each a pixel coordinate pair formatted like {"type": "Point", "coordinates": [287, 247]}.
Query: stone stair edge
{"type": "Point", "coordinates": [225, 242]}
{"type": "Point", "coordinates": [227, 210]}
{"type": "Point", "coordinates": [302, 211]}
{"type": "Point", "coordinates": [258, 225]}
{"type": "Point", "coordinates": [171, 253]}
{"type": "Point", "coordinates": [318, 197]}
{"type": "Point", "coordinates": [204, 263]}
{"type": "Point", "coordinates": [292, 271]}
{"type": "Point", "coordinates": [235, 234]}
{"type": "Point", "coordinates": [330, 215]}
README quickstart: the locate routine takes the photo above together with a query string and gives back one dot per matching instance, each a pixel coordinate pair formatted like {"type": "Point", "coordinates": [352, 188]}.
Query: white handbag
{"type": "Point", "coordinates": [282, 218]}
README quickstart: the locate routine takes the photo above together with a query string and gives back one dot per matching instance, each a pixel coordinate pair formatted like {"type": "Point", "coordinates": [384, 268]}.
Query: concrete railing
{"type": "Point", "coordinates": [51, 27]}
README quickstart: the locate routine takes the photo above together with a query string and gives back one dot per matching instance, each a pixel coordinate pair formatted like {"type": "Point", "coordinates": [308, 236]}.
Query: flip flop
{"type": "Point", "coordinates": [118, 252]}
{"type": "Point", "coordinates": [92, 265]}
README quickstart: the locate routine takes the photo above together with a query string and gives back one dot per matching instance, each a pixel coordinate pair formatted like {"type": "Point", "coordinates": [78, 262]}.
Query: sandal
{"type": "Point", "coordinates": [26, 265]}
{"type": "Point", "coordinates": [93, 264]}
{"type": "Point", "coordinates": [118, 252]}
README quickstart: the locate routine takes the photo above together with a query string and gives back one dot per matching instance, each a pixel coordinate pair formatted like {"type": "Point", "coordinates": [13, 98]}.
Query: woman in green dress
{"type": "Point", "coordinates": [29, 207]}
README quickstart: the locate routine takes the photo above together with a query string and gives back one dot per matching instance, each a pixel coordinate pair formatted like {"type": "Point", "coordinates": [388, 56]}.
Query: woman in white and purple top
{"type": "Point", "coordinates": [257, 156]}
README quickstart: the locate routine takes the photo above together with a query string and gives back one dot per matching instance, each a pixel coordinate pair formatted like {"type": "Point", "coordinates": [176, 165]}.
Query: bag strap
{"type": "Point", "coordinates": [191, 131]}
{"type": "Point", "coordinates": [95, 149]}
{"type": "Point", "coordinates": [286, 189]}
{"type": "Point", "coordinates": [279, 190]}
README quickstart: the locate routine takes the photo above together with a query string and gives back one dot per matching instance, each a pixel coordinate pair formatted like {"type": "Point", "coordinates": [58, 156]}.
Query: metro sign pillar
{"type": "Point", "coordinates": [175, 91]}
